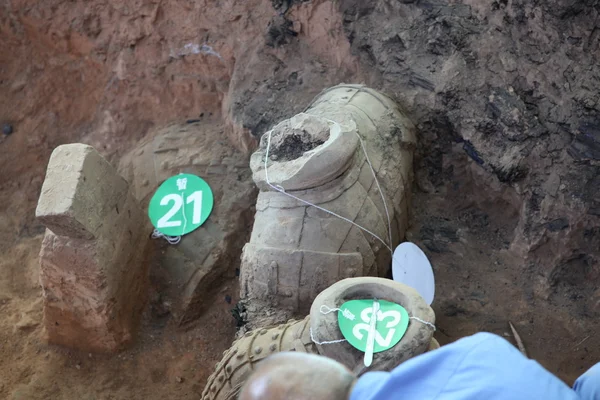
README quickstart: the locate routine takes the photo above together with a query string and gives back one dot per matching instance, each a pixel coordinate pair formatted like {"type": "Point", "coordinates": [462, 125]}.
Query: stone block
{"type": "Point", "coordinates": [80, 189]}
{"type": "Point", "coordinates": [93, 271]}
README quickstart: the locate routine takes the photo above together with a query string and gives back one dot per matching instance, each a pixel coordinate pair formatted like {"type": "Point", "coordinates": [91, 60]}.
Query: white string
{"type": "Point", "coordinates": [156, 234]}
{"type": "Point", "coordinates": [424, 322]}
{"type": "Point", "coordinates": [280, 189]}
{"type": "Point", "coordinates": [312, 337]}
{"type": "Point", "coordinates": [328, 310]}
{"type": "Point", "coordinates": [347, 313]}
{"type": "Point", "coordinates": [387, 213]}
{"type": "Point", "coordinates": [183, 211]}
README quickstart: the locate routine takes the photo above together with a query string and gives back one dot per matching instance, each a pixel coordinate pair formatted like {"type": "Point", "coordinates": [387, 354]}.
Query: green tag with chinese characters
{"type": "Point", "coordinates": [180, 205]}
{"type": "Point", "coordinates": [354, 319]}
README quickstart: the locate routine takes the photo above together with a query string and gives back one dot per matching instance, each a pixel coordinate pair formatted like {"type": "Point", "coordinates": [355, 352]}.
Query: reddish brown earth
{"type": "Point", "coordinates": [507, 200]}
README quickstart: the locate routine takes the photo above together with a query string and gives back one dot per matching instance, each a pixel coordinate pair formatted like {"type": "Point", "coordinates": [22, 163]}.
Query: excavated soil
{"type": "Point", "coordinates": [507, 194]}
{"type": "Point", "coordinates": [294, 146]}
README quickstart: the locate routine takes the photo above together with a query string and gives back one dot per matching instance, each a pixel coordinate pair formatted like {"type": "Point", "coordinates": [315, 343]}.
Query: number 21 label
{"type": "Point", "coordinates": [180, 205]}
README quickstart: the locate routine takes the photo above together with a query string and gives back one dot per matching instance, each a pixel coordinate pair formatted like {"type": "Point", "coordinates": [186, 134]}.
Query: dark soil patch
{"type": "Point", "coordinates": [294, 146]}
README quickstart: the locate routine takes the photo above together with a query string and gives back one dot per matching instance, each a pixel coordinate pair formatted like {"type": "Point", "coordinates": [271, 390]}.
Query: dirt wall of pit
{"type": "Point", "coordinates": [504, 95]}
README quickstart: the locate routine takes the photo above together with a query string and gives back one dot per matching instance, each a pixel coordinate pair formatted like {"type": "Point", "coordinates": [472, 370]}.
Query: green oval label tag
{"type": "Point", "coordinates": [180, 205]}
{"type": "Point", "coordinates": [354, 319]}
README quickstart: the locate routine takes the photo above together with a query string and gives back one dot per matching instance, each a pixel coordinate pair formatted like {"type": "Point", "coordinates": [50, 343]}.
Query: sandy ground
{"type": "Point", "coordinates": [164, 362]}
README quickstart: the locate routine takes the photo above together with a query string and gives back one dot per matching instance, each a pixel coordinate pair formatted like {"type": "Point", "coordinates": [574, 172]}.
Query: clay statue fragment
{"type": "Point", "coordinates": [320, 156]}
{"type": "Point", "coordinates": [93, 274]}
{"type": "Point", "coordinates": [241, 359]}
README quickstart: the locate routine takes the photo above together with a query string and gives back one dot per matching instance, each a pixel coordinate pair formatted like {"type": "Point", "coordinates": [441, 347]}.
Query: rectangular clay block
{"type": "Point", "coordinates": [93, 270]}
{"type": "Point", "coordinates": [80, 189]}
{"type": "Point", "coordinates": [94, 290]}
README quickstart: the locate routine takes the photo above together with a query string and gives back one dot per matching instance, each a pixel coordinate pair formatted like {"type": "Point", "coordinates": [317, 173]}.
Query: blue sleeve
{"type": "Point", "coordinates": [482, 366]}
{"type": "Point", "coordinates": [587, 385]}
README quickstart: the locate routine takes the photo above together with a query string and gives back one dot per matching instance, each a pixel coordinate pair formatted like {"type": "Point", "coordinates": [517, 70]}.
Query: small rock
{"type": "Point", "coordinates": [589, 103]}
{"type": "Point", "coordinates": [552, 184]}
{"type": "Point", "coordinates": [78, 366]}
{"type": "Point", "coordinates": [179, 379]}
{"type": "Point", "coordinates": [541, 288]}
{"type": "Point", "coordinates": [228, 299]}
{"type": "Point", "coordinates": [18, 86]}
{"type": "Point", "coordinates": [7, 129]}
{"type": "Point", "coordinates": [297, 26]}
{"type": "Point", "coordinates": [558, 225]}
{"type": "Point", "coordinates": [26, 323]}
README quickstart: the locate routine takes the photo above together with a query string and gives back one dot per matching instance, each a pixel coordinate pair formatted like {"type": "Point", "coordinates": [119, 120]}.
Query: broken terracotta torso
{"type": "Point", "coordinates": [328, 156]}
